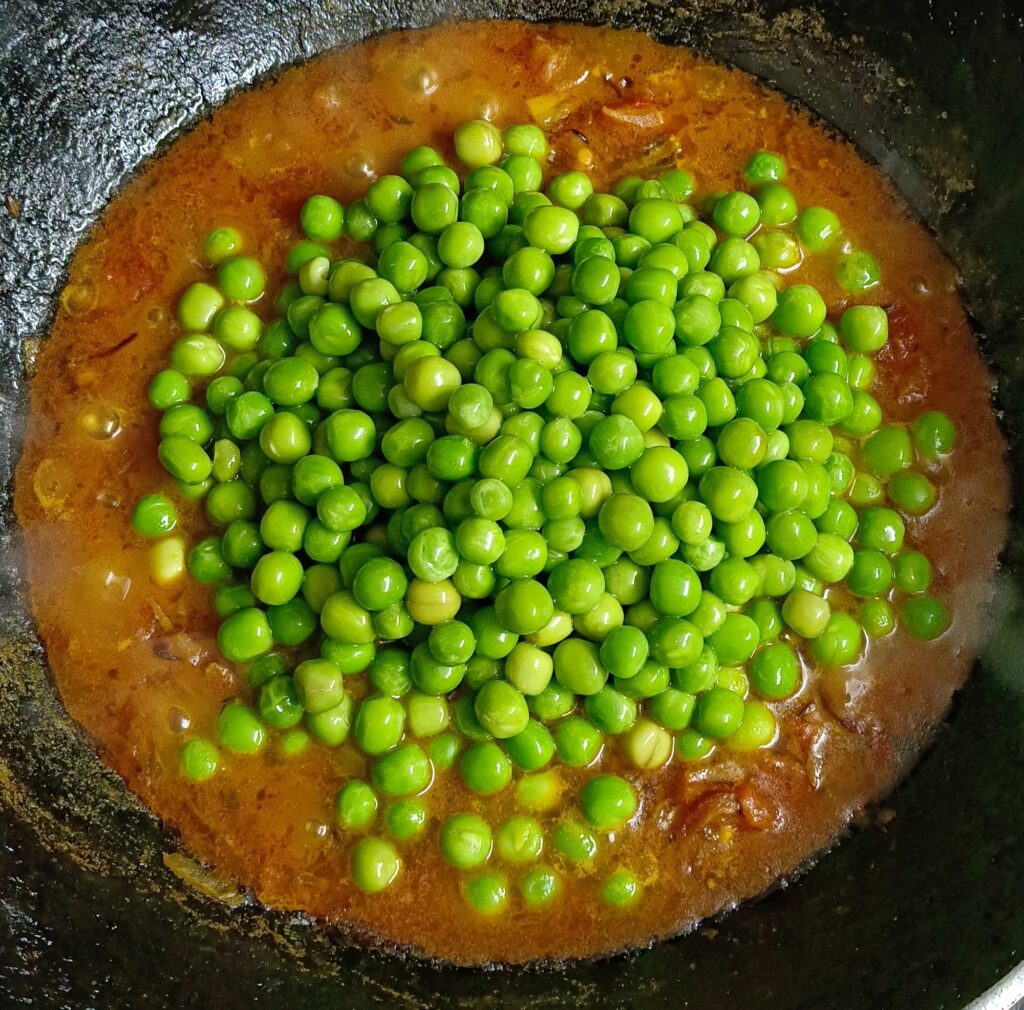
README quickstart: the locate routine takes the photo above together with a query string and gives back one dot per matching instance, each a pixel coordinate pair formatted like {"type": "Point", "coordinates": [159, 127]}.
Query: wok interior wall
{"type": "Point", "coordinates": [920, 915]}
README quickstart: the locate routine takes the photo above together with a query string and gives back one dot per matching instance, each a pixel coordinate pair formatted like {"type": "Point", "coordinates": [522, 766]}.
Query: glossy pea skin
{"type": "Point", "coordinates": [484, 768]}
{"type": "Point", "coordinates": [375, 864]}
{"type": "Point", "coordinates": [406, 819]}
{"type": "Point", "coordinates": [934, 434]}
{"type": "Point", "coordinates": [532, 748]}
{"type": "Point", "coordinates": [718, 713]}
{"type": "Point", "coordinates": [625, 650]}
{"type": "Point", "coordinates": [646, 745]}
{"type": "Point", "coordinates": [519, 840]}
{"type": "Point", "coordinates": [775, 671]}
{"type": "Point", "coordinates": [198, 760]}
{"type": "Point", "coordinates": [925, 617]}
{"type": "Point", "coordinates": [378, 724]}
{"type": "Point", "coordinates": [501, 709]}
{"type": "Point", "coordinates": [245, 635]}
{"type": "Point", "coordinates": [607, 801]}
{"type": "Point", "coordinates": [465, 841]}
{"type": "Point", "coordinates": [487, 893]}
{"type": "Point", "coordinates": [389, 672]}
{"type": "Point", "coordinates": [574, 841]}
{"type": "Point", "coordinates": [611, 710]}
{"type": "Point", "coordinates": [239, 729]}
{"type": "Point", "coordinates": [877, 617]}
{"type": "Point", "coordinates": [402, 771]}
{"type": "Point", "coordinates": [154, 515]}
{"type": "Point", "coordinates": [355, 806]}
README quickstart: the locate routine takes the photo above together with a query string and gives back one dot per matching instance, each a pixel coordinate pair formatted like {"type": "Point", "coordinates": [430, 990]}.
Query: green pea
{"type": "Point", "coordinates": [611, 710]}
{"type": "Point", "coordinates": [355, 806]}
{"type": "Point", "coordinates": [539, 886]}
{"type": "Point", "coordinates": [881, 529]}
{"type": "Point", "coordinates": [574, 840]}
{"type": "Point", "coordinates": [608, 801]}
{"type": "Point", "coordinates": [276, 577]}
{"type": "Point", "coordinates": [245, 635]}
{"type": "Point", "coordinates": [539, 792]}
{"type": "Point", "coordinates": [528, 668]}
{"type": "Point", "coordinates": [378, 725]}
{"type": "Point", "coordinates": [375, 864]}
{"type": "Point", "coordinates": [402, 771]}
{"type": "Point", "coordinates": [552, 229]}
{"type": "Point", "coordinates": [817, 228]}
{"type": "Point", "coordinates": [913, 572]}
{"type": "Point", "coordinates": [221, 243]}
{"type": "Point", "coordinates": [501, 709]}
{"type": "Point", "coordinates": [857, 271]}
{"type": "Point", "coordinates": [718, 713]}
{"type": "Point", "coordinates": [912, 492]}
{"type": "Point", "coordinates": [241, 278]}
{"type": "Point", "coordinates": [318, 683]}
{"type": "Point", "coordinates": [405, 819]}
{"type": "Point", "coordinates": [775, 671]}
{"type": "Point", "coordinates": [484, 768]}
{"type": "Point", "coordinates": [198, 760]}
{"type": "Point", "coordinates": [239, 729]}
{"type": "Point", "coordinates": [878, 617]}
{"type": "Point", "coordinates": [934, 434]}
{"type": "Point", "coordinates": [621, 889]}
{"type": "Point", "coordinates": [870, 574]}
{"type": "Point", "coordinates": [625, 650]}
{"type": "Point", "coordinates": [578, 743]}
{"type": "Point", "coordinates": [487, 893]}
{"type": "Point", "coordinates": [737, 213]}
{"type": "Point", "coordinates": [520, 840]}
{"type": "Point", "coordinates": [578, 666]}
{"type": "Point", "coordinates": [168, 389]}
{"type": "Point", "coordinates": [465, 841]}
{"type": "Point", "coordinates": [154, 515]}
{"type": "Point", "coordinates": [531, 748]}
{"type": "Point", "coordinates": [279, 704]}
{"type": "Point", "coordinates": [443, 751]}
{"type": "Point", "coordinates": [694, 747]}
{"type": "Point", "coordinates": [925, 616]}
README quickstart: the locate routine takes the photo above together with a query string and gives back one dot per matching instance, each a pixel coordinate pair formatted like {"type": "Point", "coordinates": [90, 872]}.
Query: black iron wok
{"type": "Point", "coordinates": [926, 914]}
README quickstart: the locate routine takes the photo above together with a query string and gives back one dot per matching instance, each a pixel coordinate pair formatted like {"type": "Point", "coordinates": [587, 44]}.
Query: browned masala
{"type": "Point", "coordinates": [133, 661]}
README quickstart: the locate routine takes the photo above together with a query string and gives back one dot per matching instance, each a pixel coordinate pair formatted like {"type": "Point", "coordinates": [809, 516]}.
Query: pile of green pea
{"type": "Point", "coordinates": [547, 472]}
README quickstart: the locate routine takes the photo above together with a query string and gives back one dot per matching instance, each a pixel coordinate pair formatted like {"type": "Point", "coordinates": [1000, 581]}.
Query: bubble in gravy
{"type": "Point", "coordinates": [100, 421]}
{"type": "Point", "coordinates": [422, 81]}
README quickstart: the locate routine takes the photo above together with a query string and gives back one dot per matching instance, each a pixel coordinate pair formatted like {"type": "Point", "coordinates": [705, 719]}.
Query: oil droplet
{"type": "Point", "coordinates": [422, 81]}
{"type": "Point", "coordinates": [117, 585]}
{"type": "Point", "coordinates": [101, 421]}
{"type": "Point", "coordinates": [79, 298]}
{"type": "Point", "coordinates": [486, 107]}
{"type": "Point", "coordinates": [48, 484]}
{"type": "Point", "coordinates": [178, 719]}
{"type": "Point", "coordinates": [156, 315]}
{"type": "Point", "coordinates": [360, 165]}
{"type": "Point", "coordinates": [318, 829]}
{"type": "Point", "coordinates": [327, 97]}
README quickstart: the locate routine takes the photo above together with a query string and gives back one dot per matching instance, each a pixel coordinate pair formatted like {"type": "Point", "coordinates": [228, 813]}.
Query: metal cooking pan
{"type": "Point", "coordinates": [925, 914]}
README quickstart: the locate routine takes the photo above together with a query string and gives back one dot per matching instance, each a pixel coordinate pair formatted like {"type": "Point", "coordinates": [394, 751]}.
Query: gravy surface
{"type": "Point", "coordinates": [137, 664]}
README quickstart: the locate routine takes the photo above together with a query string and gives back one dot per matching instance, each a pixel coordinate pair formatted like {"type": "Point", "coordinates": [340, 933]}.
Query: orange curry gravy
{"type": "Point", "coordinates": [137, 665]}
